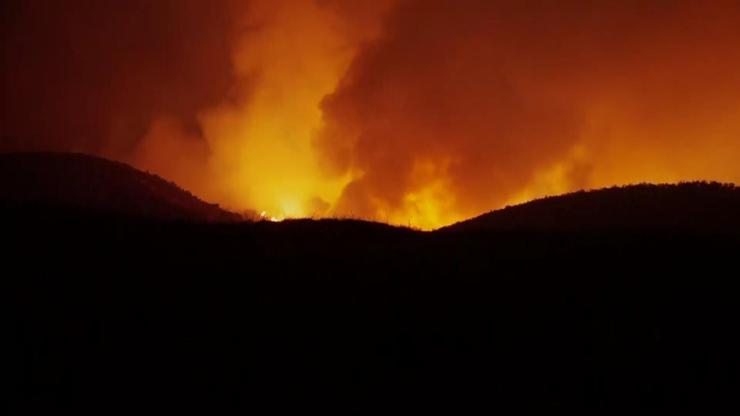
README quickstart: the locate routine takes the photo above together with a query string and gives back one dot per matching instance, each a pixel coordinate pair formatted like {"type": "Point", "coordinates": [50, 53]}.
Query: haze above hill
{"type": "Point", "coordinates": [95, 185]}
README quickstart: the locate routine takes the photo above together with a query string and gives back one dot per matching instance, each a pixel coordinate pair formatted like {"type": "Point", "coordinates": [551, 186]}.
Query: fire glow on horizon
{"type": "Point", "coordinates": [420, 112]}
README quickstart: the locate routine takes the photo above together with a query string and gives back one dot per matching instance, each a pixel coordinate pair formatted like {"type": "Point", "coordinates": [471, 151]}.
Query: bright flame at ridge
{"type": "Point", "coordinates": [424, 120]}
{"type": "Point", "coordinates": [265, 146]}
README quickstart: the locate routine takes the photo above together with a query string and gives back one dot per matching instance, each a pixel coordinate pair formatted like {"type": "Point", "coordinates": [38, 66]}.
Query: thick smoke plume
{"type": "Point", "coordinates": [408, 111]}
{"type": "Point", "coordinates": [463, 106]}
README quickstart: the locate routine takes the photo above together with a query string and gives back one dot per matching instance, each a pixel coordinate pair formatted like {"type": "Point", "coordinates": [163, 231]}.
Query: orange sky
{"type": "Point", "coordinates": [420, 112]}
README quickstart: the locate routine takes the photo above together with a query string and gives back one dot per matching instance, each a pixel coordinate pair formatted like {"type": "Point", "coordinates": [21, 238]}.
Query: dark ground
{"type": "Point", "coordinates": [107, 313]}
{"type": "Point", "coordinates": [110, 313]}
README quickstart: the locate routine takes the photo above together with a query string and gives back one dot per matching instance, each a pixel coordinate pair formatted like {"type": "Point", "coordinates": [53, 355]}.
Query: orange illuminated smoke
{"type": "Point", "coordinates": [424, 113]}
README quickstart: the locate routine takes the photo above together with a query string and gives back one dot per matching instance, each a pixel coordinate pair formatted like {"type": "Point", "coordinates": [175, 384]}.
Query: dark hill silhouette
{"type": "Point", "coordinates": [89, 184]}
{"type": "Point", "coordinates": [691, 206]}
{"type": "Point", "coordinates": [549, 304]}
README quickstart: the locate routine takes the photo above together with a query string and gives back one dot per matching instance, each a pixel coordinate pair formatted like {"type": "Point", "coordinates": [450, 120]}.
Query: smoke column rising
{"type": "Point", "coordinates": [406, 111]}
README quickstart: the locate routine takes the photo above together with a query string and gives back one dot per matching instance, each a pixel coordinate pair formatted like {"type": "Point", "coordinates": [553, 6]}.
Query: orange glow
{"type": "Point", "coordinates": [423, 114]}
{"type": "Point", "coordinates": [261, 149]}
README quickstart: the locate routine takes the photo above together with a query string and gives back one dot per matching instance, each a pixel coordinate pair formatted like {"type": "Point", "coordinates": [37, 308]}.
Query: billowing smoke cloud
{"type": "Point", "coordinates": [289, 55]}
{"type": "Point", "coordinates": [463, 106]}
{"type": "Point", "coordinates": [408, 111]}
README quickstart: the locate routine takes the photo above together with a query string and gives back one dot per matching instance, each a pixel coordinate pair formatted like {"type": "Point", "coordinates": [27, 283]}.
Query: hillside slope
{"type": "Point", "coordinates": [694, 206]}
{"type": "Point", "coordinates": [113, 314]}
{"type": "Point", "coordinates": [90, 184]}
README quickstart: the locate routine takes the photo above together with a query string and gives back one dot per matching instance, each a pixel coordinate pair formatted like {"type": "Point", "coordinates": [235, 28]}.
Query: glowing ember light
{"type": "Point", "coordinates": [264, 216]}
{"type": "Point", "coordinates": [339, 109]}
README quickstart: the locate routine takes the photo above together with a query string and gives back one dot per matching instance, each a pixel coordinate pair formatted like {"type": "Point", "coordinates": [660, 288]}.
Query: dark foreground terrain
{"type": "Point", "coordinates": [109, 312]}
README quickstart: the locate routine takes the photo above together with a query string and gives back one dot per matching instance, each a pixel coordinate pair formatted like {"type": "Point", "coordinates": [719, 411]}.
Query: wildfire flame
{"type": "Point", "coordinates": [264, 216]}
{"type": "Point", "coordinates": [424, 113]}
